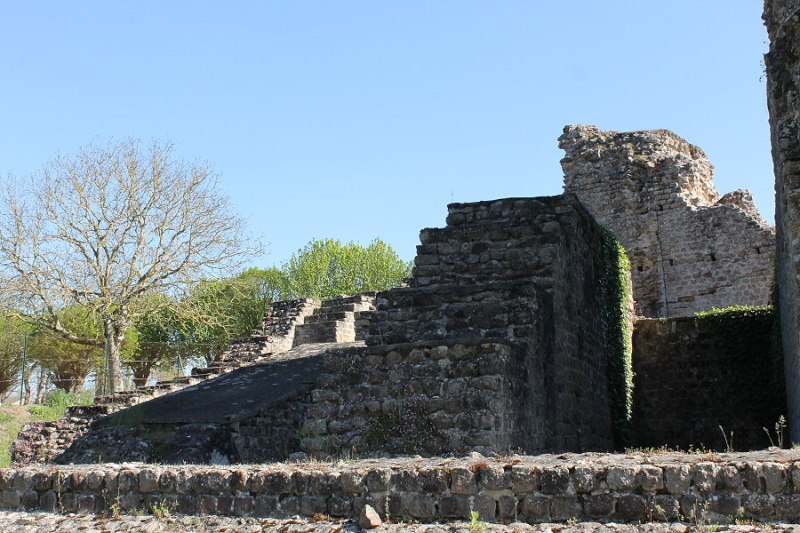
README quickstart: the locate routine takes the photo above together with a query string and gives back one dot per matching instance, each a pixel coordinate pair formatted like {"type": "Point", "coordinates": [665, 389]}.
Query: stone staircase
{"type": "Point", "coordinates": [289, 324]}
{"type": "Point", "coordinates": [342, 319]}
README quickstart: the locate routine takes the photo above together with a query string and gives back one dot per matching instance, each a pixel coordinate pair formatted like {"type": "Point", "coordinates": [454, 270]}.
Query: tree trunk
{"type": "Point", "coordinates": [141, 373]}
{"type": "Point", "coordinates": [115, 334]}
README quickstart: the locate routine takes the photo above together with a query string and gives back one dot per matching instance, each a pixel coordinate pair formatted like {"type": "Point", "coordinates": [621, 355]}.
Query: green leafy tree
{"type": "Point", "coordinates": [200, 326]}
{"type": "Point", "coordinates": [326, 268]}
{"type": "Point", "coordinates": [12, 332]}
{"type": "Point", "coordinates": [68, 363]}
{"type": "Point", "coordinates": [104, 227]}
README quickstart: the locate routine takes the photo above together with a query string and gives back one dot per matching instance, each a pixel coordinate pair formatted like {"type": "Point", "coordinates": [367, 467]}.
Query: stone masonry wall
{"type": "Point", "coordinates": [782, 18]}
{"type": "Point", "coordinates": [690, 380]}
{"type": "Point", "coordinates": [708, 488]}
{"type": "Point", "coordinates": [690, 250]}
{"type": "Point", "coordinates": [494, 345]}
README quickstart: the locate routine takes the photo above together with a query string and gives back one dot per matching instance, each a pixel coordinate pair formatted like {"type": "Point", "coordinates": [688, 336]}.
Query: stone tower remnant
{"type": "Point", "coordinates": [782, 18]}
{"type": "Point", "coordinates": [690, 249]}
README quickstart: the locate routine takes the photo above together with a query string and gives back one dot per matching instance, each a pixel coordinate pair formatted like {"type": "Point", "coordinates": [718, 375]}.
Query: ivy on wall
{"type": "Point", "coordinates": [613, 272]}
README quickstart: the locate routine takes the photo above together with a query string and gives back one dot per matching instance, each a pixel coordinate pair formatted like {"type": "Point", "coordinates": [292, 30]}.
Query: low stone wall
{"type": "Point", "coordinates": [663, 487]}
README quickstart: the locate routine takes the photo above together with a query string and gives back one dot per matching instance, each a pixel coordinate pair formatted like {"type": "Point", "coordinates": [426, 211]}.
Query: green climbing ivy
{"type": "Point", "coordinates": [614, 283]}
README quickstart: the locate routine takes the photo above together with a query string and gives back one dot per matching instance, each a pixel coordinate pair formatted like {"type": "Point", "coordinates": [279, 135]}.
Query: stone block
{"type": "Point", "coordinates": [455, 506]}
{"type": "Point", "coordinates": [491, 477]}
{"type": "Point", "coordinates": [266, 505]}
{"type": "Point", "coordinates": [774, 477]}
{"type": "Point", "coordinates": [621, 479]}
{"type": "Point", "coordinates": [274, 482]}
{"type": "Point", "coordinates": [339, 506]}
{"type": "Point", "coordinates": [288, 506]}
{"type": "Point", "coordinates": [312, 505]}
{"type": "Point", "coordinates": [787, 507]}
{"type": "Point", "coordinates": [554, 480]}
{"type": "Point", "coordinates": [677, 479]}
{"type": "Point", "coordinates": [650, 478]}
{"type": "Point", "coordinates": [631, 507]}
{"type": "Point", "coordinates": [463, 481]}
{"type": "Point", "coordinates": [584, 478]}
{"type": "Point", "coordinates": [727, 505]}
{"type": "Point", "coordinates": [486, 507]}
{"type": "Point", "coordinates": [127, 481]}
{"type": "Point", "coordinates": [215, 482]}
{"type": "Point", "coordinates": [243, 505]}
{"type": "Point", "coordinates": [377, 480]}
{"type": "Point", "coordinates": [207, 504]}
{"type": "Point", "coordinates": [524, 479]}
{"type": "Point", "coordinates": [148, 480]}
{"type": "Point", "coordinates": [563, 508]}
{"type": "Point", "coordinates": [434, 480]}
{"type": "Point", "coordinates": [664, 508]}
{"type": "Point", "coordinates": [705, 478]}
{"type": "Point", "coordinates": [758, 506]}
{"type": "Point", "coordinates": [405, 481]}
{"type": "Point", "coordinates": [352, 482]}
{"type": "Point", "coordinates": [535, 508]}
{"type": "Point", "coordinates": [599, 506]}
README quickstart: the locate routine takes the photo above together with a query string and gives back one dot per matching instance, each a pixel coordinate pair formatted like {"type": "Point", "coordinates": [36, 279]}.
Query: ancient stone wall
{"type": "Point", "coordinates": [707, 488]}
{"type": "Point", "coordinates": [690, 250]}
{"type": "Point", "coordinates": [496, 343]}
{"type": "Point", "coordinates": [782, 18]}
{"type": "Point", "coordinates": [695, 375]}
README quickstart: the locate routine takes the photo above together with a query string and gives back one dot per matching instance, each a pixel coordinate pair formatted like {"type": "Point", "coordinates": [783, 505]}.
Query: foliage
{"type": "Point", "coordinates": [12, 331]}
{"type": "Point", "coordinates": [12, 419]}
{"type": "Point", "coordinates": [326, 268]}
{"type": "Point", "coordinates": [103, 228]}
{"type": "Point", "coordinates": [614, 282]}
{"type": "Point", "coordinates": [68, 363]}
{"type": "Point", "coordinates": [56, 404]}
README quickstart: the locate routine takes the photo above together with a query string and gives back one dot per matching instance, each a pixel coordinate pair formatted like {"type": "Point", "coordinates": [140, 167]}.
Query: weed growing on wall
{"type": "Point", "coordinates": [616, 301]}
{"type": "Point", "coordinates": [405, 428]}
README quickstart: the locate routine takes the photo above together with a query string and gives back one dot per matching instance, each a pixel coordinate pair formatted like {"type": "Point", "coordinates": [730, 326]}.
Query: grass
{"type": "Point", "coordinates": [13, 417]}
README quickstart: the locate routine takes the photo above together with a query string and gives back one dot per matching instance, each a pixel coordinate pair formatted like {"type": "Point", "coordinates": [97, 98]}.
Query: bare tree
{"type": "Point", "coordinates": [106, 226]}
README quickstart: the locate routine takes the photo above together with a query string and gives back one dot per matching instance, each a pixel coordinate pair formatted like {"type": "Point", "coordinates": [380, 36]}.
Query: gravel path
{"type": "Point", "coordinates": [37, 522]}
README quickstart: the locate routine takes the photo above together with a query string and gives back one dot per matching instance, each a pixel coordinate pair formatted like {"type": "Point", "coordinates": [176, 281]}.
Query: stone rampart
{"type": "Point", "coordinates": [492, 344]}
{"type": "Point", "coordinates": [690, 250]}
{"type": "Point", "coordinates": [782, 18]}
{"type": "Point", "coordinates": [704, 488]}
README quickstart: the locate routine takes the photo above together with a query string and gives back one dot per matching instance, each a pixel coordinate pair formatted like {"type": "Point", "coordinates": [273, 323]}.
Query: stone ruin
{"type": "Point", "coordinates": [782, 64]}
{"type": "Point", "coordinates": [690, 249]}
{"type": "Point", "coordinates": [501, 340]}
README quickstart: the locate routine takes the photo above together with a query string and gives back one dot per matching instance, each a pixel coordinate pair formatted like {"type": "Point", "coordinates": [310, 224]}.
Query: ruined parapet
{"type": "Point", "coordinates": [782, 18]}
{"type": "Point", "coordinates": [690, 250]}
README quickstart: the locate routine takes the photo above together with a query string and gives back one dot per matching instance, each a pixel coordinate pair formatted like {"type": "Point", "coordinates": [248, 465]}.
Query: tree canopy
{"type": "Point", "coordinates": [107, 226]}
{"type": "Point", "coordinates": [326, 268]}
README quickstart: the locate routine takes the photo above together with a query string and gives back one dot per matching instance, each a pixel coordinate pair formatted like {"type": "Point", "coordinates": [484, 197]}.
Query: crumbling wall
{"type": "Point", "coordinates": [690, 250]}
{"type": "Point", "coordinates": [782, 18]}
{"type": "Point", "coordinates": [497, 344]}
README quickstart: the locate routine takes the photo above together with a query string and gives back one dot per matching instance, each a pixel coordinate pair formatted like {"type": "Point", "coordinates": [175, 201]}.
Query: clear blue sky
{"type": "Point", "coordinates": [362, 119]}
